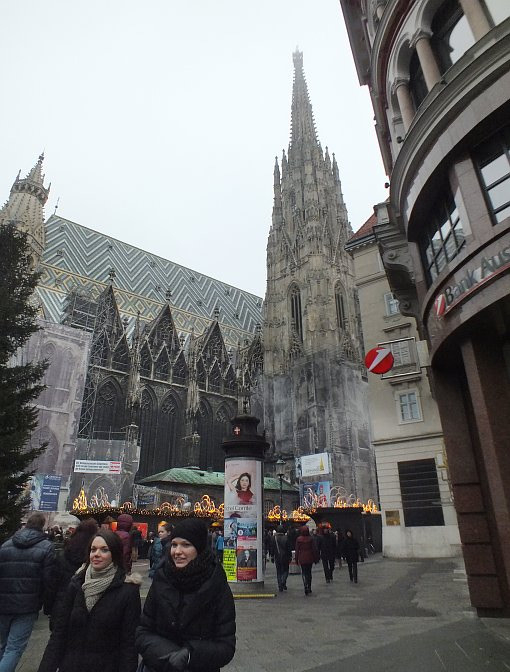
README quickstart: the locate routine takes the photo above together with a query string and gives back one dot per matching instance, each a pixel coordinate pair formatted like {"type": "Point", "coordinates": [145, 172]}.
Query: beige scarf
{"type": "Point", "coordinates": [96, 582]}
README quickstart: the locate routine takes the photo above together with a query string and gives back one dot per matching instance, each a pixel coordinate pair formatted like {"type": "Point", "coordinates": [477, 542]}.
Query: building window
{"type": "Point", "coordinates": [417, 85]}
{"type": "Point", "coordinates": [340, 307]}
{"type": "Point", "coordinates": [401, 351]}
{"type": "Point", "coordinates": [497, 11]}
{"type": "Point", "coordinates": [408, 407]}
{"type": "Point", "coordinates": [391, 304]}
{"type": "Point", "coordinates": [451, 34]}
{"type": "Point", "coordinates": [442, 237]}
{"type": "Point", "coordinates": [493, 160]}
{"type": "Point", "coordinates": [295, 311]}
{"type": "Point", "coordinates": [419, 488]}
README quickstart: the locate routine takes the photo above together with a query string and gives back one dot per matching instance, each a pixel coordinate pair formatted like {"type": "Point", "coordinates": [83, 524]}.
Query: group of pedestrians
{"type": "Point", "coordinates": [93, 600]}
{"type": "Point", "coordinates": [309, 549]}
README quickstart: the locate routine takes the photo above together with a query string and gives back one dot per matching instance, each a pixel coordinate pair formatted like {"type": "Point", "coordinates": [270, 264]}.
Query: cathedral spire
{"type": "Point", "coordinates": [302, 121]}
{"type": "Point", "coordinates": [25, 207]}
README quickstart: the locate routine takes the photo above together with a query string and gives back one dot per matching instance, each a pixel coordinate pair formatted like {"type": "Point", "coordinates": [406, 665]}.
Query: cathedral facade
{"type": "Point", "coordinates": [172, 355]}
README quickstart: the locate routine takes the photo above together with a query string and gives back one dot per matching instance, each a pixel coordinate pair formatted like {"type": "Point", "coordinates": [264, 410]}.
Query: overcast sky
{"type": "Point", "coordinates": [160, 119]}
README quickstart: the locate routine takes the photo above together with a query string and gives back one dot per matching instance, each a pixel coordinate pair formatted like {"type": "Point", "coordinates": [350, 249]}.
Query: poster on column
{"type": "Point", "coordinates": [243, 516]}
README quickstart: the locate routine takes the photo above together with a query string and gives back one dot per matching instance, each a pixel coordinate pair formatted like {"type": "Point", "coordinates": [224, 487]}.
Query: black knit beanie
{"type": "Point", "coordinates": [193, 530]}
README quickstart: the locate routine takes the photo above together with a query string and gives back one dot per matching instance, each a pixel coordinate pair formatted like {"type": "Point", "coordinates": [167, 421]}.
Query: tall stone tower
{"type": "Point", "coordinates": [25, 208]}
{"type": "Point", "coordinates": [315, 396]}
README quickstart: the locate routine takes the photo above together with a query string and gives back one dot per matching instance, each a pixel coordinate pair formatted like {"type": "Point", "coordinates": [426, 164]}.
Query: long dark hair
{"type": "Point", "coordinates": [76, 547]}
{"type": "Point", "coordinates": [238, 484]}
{"type": "Point", "coordinates": [114, 544]}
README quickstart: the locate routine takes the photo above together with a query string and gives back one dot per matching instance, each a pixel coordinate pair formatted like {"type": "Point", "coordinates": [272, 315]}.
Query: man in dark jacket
{"type": "Point", "coordinates": [327, 547]}
{"type": "Point", "coordinates": [27, 564]}
{"type": "Point", "coordinates": [124, 525]}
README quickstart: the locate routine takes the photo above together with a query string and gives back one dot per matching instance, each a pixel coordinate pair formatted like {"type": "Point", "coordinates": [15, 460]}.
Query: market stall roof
{"type": "Point", "coordinates": [203, 477]}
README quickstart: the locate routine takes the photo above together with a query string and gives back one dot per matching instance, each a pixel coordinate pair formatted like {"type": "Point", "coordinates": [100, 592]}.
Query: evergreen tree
{"type": "Point", "coordinates": [20, 383]}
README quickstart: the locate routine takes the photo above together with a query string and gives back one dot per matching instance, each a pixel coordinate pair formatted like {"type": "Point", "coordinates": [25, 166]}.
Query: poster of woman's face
{"type": "Point", "coordinates": [241, 484]}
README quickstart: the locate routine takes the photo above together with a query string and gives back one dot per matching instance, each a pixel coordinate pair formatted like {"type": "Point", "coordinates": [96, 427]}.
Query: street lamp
{"type": "Point", "coordinates": [281, 464]}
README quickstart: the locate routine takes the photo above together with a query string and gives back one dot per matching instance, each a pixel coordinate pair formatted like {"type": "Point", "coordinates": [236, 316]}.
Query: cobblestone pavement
{"type": "Point", "coordinates": [403, 616]}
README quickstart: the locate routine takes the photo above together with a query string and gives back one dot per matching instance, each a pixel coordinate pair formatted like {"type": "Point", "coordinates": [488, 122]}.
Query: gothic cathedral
{"type": "Point", "coordinates": [315, 391]}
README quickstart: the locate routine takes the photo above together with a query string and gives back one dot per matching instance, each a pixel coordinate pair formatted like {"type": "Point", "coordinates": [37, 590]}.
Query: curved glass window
{"type": "Point", "coordinates": [417, 85]}
{"type": "Point", "coordinates": [493, 161]}
{"type": "Point", "coordinates": [442, 237]}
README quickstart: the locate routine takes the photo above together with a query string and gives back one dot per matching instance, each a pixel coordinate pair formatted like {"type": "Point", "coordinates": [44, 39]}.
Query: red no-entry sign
{"type": "Point", "coordinates": [379, 360]}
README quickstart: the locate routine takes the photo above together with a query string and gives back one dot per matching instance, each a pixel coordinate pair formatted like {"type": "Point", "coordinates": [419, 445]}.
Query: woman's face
{"type": "Point", "coordinates": [100, 555]}
{"type": "Point", "coordinates": [182, 552]}
{"type": "Point", "coordinates": [244, 482]}
{"type": "Point", "coordinates": [162, 532]}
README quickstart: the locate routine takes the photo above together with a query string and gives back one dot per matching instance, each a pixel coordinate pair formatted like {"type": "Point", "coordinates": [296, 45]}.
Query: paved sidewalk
{"type": "Point", "coordinates": [402, 616]}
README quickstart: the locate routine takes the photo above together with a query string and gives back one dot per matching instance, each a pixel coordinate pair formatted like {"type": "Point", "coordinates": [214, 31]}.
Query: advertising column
{"type": "Point", "coordinates": [243, 519]}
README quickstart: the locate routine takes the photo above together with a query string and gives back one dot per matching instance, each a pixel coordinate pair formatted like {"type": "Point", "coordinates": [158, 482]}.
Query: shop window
{"type": "Point", "coordinates": [419, 488]}
{"type": "Point", "coordinates": [408, 407]}
{"type": "Point", "coordinates": [493, 161]}
{"type": "Point", "coordinates": [391, 304]}
{"type": "Point", "coordinates": [451, 34]}
{"type": "Point", "coordinates": [442, 237]}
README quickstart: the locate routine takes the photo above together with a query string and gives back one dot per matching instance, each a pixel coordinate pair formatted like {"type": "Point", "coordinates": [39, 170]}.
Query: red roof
{"type": "Point", "coordinates": [366, 229]}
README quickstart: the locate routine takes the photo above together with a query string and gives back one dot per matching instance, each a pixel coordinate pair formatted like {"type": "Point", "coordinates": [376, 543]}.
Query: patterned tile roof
{"type": "Point", "coordinates": [365, 230]}
{"type": "Point", "coordinates": [78, 258]}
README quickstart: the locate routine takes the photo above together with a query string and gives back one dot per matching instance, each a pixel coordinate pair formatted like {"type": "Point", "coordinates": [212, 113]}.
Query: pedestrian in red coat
{"type": "Point", "coordinates": [307, 554]}
{"type": "Point", "coordinates": [124, 525]}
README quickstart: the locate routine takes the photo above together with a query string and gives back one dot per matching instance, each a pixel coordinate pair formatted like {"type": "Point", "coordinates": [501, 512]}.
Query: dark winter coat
{"type": "Point", "coordinates": [281, 552]}
{"type": "Point", "coordinates": [66, 566]}
{"type": "Point", "coordinates": [124, 525]}
{"type": "Point", "coordinates": [103, 639]}
{"type": "Point", "coordinates": [350, 549]}
{"type": "Point", "coordinates": [307, 552]}
{"type": "Point", "coordinates": [158, 553]}
{"type": "Point", "coordinates": [203, 621]}
{"type": "Point", "coordinates": [27, 573]}
{"type": "Point", "coordinates": [327, 546]}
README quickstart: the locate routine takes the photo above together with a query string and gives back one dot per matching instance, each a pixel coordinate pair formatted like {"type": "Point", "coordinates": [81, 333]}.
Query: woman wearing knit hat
{"type": "Point", "coordinates": [188, 621]}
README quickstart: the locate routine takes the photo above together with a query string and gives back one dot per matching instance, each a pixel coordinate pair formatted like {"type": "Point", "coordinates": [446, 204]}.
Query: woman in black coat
{"type": "Point", "coordinates": [188, 621]}
{"type": "Point", "coordinates": [94, 628]}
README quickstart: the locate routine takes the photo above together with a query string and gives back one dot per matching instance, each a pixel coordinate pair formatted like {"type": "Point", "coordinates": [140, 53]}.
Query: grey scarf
{"type": "Point", "coordinates": [96, 582]}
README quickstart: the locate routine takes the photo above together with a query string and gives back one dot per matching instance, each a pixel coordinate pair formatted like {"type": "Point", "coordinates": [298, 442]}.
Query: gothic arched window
{"type": "Point", "coordinates": [220, 430]}
{"type": "Point", "coordinates": [147, 433]}
{"type": "Point", "coordinates": [215, 378]}
{"type": "Point", "coordinates": [295, 311]}
{"type": "Point", "coordinates": [120, 359]}
{"type": "Point", "coordinates": [230, 381]}
{"type": "Point", "coordinates": [145, 362]}
{"type": "Point", "coordinates": [341, 315]}
{"type": "Point", "coordinates": [162, 368]}
{"type": "Point", "coordinates": [201, 375]}
{"type": "Point", "coordinates": [205, 430]}
{"type": "Point", "coordinates": [167, 443]}
{"type": "Point", "coordinates": [107, 411]}
{"type": "Point", "coordinates": [180, 369]}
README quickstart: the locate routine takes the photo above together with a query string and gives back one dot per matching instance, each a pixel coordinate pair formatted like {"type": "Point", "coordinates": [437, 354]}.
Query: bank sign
{"type": "Point", "coordinates": [474, 279]}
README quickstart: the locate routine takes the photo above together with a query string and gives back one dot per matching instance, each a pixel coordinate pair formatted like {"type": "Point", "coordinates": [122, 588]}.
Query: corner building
{"type": "Point", "coordinates": [315, 389]}
{"type": "Point", "coordinates": [439, 79]}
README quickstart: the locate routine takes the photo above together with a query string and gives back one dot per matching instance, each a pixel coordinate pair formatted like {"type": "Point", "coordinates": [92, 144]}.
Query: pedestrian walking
{"type": "Point", "coordinates": [124, 525]}
{"type": "Point", "coordinates": [307, 554]}
{"type": "Point", "coordinates": [327, 547]}
{"type": "Point", "coordinates": [136, 542]}
{"type": "Point", "coordinates": [27, 573]}
{"type": "Point", "coordinates": [220, 545]}
{"type": "Point", "coordinates": [71, 559]}
{"type": "Point", "coordinates": [350, 552]}
{"type": "Point", "coordinates": [188, 620]}
{"type": "Point", "coordinates": [281, 555]}
{"type": "Point", "coordinates": [159, 547]}
{"type": "Point", "coordinates": [95, 627]}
